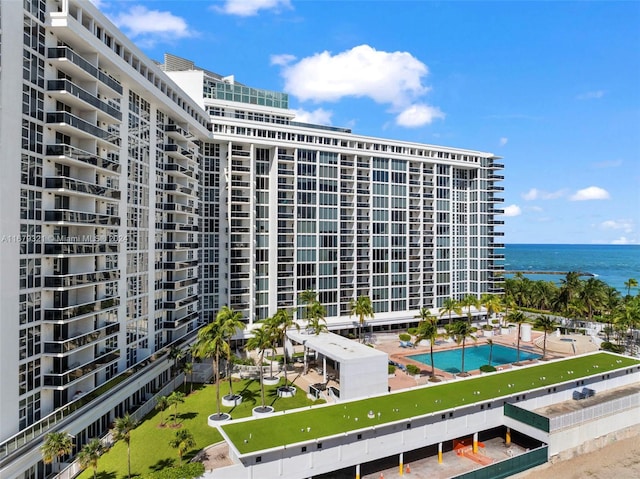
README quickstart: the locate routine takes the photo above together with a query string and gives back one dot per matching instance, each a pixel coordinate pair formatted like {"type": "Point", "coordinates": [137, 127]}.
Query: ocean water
{"type": "Point", "coordinates": [613, 264]}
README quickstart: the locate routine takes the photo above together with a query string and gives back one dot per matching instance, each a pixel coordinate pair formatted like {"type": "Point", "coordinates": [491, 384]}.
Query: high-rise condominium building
{"type": "Point", "coordinates": [138, 198]}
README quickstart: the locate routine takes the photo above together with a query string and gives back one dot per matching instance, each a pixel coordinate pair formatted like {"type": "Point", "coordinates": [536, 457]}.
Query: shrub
{"type": "Point", "coordinates": [413, 369]}
{"type": "Point", "coordinates": [392, 369]}
{"type": "Point", "coordinates": [487, 327]}
{"type": "Point", "coordinates": [404, 337]}
{"type": "Point", "coordinates": [187, 471]}
{"type": "Point", "coordinates": [614, 348]}
{"type": "Point", "coordinates": [487, 369]}
{"type": "Point", "coordinates": [412, 331]}
{"type": "Point", "coordinates": [495, 321]}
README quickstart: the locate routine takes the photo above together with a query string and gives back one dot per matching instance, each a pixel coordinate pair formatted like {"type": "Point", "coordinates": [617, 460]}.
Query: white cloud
{"type": "Point", "coordinates": [624, 240]}
{"type": "Point", "coordinates": [624, 224]}
{"type": "Point", "coordinates": [503, 141]}
{"type": "Point", "coordinates": [591, 95]}
{"type": "Point", "coordinates": [418, 115]}
{"type": "Point", "coordinates": [512, 210]}
{"type": "Point", "coordinates": [391, 78]}
{"type": "Point", "coordinates": [248, 8]}
{"type": "Point", "coordinates": [283, 59]}
{"type": "Point", "coordinates": [590, 193]}
{"type": "Point", "coordinates": [536, 194]}
{"type": "Point", "coordinates": [537, 209]}
{"type": "Point", "coordinates": [318, 116]}
{"type": "Point", "coordinates": [151, 25]}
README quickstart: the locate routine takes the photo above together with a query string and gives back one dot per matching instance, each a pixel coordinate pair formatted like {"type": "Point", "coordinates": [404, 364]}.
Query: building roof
{"type": "Point", "coordinates": [334, 346]}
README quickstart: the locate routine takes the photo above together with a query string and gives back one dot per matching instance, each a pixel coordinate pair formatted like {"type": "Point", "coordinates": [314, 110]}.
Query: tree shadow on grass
{"type": "Point", "coordinates": [162, 464]}
{"type": "Point", "coordinates": [187, 415]}
{"type": "Point", "coordinates": [106, 475]}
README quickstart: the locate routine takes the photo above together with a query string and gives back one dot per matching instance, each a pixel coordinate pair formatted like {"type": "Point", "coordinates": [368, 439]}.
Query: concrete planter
{"type": "Point", "coordinates": [487, 333]}
{"type": "Point", "coordinates": [231, 401]}
{"type": "Point", "coordinates": [262, 412]}
{"type": "Point", "coordinates": [270, 380]}
{"type": "Point", "coordinates": [215, 420]}
{"type": "Point", "coordinates": [286, 392]}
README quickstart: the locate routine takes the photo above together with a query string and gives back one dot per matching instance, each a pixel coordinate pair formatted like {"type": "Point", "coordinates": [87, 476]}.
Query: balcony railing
{"type": "Point", "coordinates": [77, 311]}
{"type": "Point", "coordinates": [80, 124]}
{"type": "Point", "coordinates": [72, 184]}
{"type": "Point", "coordinates": [80, 279]}
{"type": "Point", "coordinates": [69, 344]}
{"type": "Point", "coordinates": [80, 248]}
{"type": "Point", "coordinates": [85, 96]}
{"type": "Point", "coordinates": [73, 57]}
{"type": "Point", "coordinates": [66, 378]}
{"type": "Point", "coordinates": [70, 216]}
{"type": "Point", "coordinates": [84, 156]}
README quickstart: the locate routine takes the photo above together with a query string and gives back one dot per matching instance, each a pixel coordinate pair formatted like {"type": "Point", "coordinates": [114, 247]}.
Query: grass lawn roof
{"type": "Point", "coordinates": [259, 434]}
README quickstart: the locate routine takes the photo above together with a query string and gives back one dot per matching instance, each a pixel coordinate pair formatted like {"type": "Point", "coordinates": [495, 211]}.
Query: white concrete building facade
{"type": "Point", "coordinates": [138, 198]}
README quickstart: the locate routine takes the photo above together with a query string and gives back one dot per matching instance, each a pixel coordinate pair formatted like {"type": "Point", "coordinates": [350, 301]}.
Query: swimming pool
{"type": "Point", "coordinates": [474, 357]}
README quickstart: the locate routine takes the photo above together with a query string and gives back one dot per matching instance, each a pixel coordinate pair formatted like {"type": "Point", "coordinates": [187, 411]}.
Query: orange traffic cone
{"type": "Point", "coordinates": [381, 476]}
{"type": "Point", "coordinates": [408, 469]}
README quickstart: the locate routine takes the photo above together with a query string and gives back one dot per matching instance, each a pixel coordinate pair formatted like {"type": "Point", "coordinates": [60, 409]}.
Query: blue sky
{"type": "Point", "coordinates": [553, 87]}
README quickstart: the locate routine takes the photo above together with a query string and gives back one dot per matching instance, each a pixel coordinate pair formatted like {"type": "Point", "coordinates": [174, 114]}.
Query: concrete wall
{"type": "Point", "coordinates": [364, 376]}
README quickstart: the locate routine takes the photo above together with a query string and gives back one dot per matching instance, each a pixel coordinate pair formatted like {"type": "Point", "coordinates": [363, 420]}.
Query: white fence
{"type": "Point", "coordinates": [594, 412]}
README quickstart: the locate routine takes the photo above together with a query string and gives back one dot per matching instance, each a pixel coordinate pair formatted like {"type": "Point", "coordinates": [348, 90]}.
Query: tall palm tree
{"type": "Point", "coordinates": [283, 320]}
{"type": "Point", "coordinates": [569, 288]}
{"type": "Point", "coordinates": [612, 304]}
{"type": "Point", "coordinates": [427, 330]}
{"type": "Point", "coordinates": [548, 325]}
{"type": "Point", "coordinates": [461, 331]}
{"type": "Point", "coordinates": [517, 317]}
{"type": "Point", "coordinates": [492, 303]}
{"type": "Point", "coordinates": [450, 306]}
{"type": "Point", "coordinates": [182, 441]}
{"type": "Point", "coordinates": [593, 296]}
{"type": "Point", "coordinates": [187, 368]}
{"type": "Point", "coordinates": [230, 322]}
{"type": "Point", "coordinates": [469, 301]}
{"type": "Point", "coordinates": [90, 454]}
{"type": "Point", "coordinates": [56, 445]}
{"type": "Point", "coordinates": [122, 431]}
{"type": "Point", "coordinates": [362, 309]}
{"type": "Point", "coordinates": [631, 283]}
{"type": "Point", "coordinates": [174, 400]}
{"type": "Point", "coordinates": [161, 404]}
{"type": "Point", "coordinates": [316, 318]}
{"type": "Point", "coordinates": [261, 340]}
{"type": "Point", "coordinates": [211, 343]}
{"type": "Point", "coordinates": [490, 343]}
{"type": "Point", "coordinates": [306, 298]}
{"type": "Point", "coordinates": [176, 354]}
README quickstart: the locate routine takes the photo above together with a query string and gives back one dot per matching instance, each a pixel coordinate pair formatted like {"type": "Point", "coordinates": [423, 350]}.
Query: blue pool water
{"type": "Point", "coordinates": [474, 357]}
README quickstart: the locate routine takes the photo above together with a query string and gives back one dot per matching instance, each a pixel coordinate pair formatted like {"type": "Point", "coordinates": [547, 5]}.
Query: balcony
{"type": "Point", "coordinates": [76, 280]}
{"type": "Point", "coordinates": [71, 152]}
{"type": "Point", "coordinates": [71, 124]}
{"type": "Point", "coordinates": [69, 344]}
{"type": "Point", "coordinates": [179, 152]}
{"type": "Point", "coordinates": [177, 265]}
{"type": "Point", "coordinates": [83, 187]}
{"type": "Point", "coordinates": [176, 323]}
{"type": "Point", "coordinates": [80, 217]}
{"type": "Point", "coordinates": [180, 245]}
{"type": "Point", "coordinates": [76, 249]}
{"type": "Point", "coordinates": [80, 311]}
{"type": "Point", "coordinates": [179, 227]}
{"type": "Point", "coordinates": [178, 188]}
{"type": "Point", "coordinates": [180, 208]}
{"type": "Point", "coordinates": [179, 284]}
{"type": "Point", "coordinates": [66, 53]}
{"type": "Point", "coordinates": [180, 303]}
{"type": "Point", "coordinates": [61, 89]}
{"type": "Point", "coordinates": [176, 131]}
{"type": "Point", "coordinates": [64, 379]}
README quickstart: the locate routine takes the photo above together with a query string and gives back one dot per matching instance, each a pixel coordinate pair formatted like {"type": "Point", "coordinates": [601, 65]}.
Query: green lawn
{"type": "Point", "coordinates": [310, 424]}
{"type": "Point", "coordinates": [150, 449]}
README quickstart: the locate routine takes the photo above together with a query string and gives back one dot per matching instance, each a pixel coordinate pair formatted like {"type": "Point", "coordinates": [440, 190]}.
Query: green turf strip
{"type": "Point", "coordinates": [314, 423]}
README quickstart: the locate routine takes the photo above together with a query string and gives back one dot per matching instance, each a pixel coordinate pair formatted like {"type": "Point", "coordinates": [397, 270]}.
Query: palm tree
{"type": "Point", "coordinates": [461, 331]}
{"type": "Point", "coordinates": [161, 404]}
{"type": "Point", "coordinates": [122, 431]}
{"type": "Point", "coordinates": [174, 399]}
{"type": "Point", "coordinates": [548, 325]}
{"type": "Point", "coordinates": [362, 309]}
{"type": "Point", "coordinates": [450, 306]}
{"type": "Point", "coordinates": [631, 283]}
{"type": "Point", "coordinates": [427, 329]}
{"type": "Point", "coordinates": [469, 301]}
{"type": "Point", "coordinates": [90, 454]}
{"type": "Point", "coordinates": [182, 441]}
{"type": "Point", "coordinates": [569, 288]}
{"type": "Point", "coordinates": [56, 445]}
{"type": "Point", "coordinates": [317, 323]}
{"type": "Point", "coordinates": [210, 343]}
{"type": "Point", "coordinates": [517, 317]}
{"type": "Point", "coordinates": [490, 343]}
{"type": "Point", "coordinates": [492, 303]}
{"type": "Point", "coordinates": [230, 322]}
{"type": "Point", "coordinates": [187, 368]}
{"type": "Point", "coordinates": [306, 298]}
{"type": "Point", "coordinates": [176, 354]}
{"type": "Point", "coordinates": [261, 340]}
{"type": "Point", "coordinates": [281, 321]}
{"type": "Point", "coordinates": [593, 296]}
